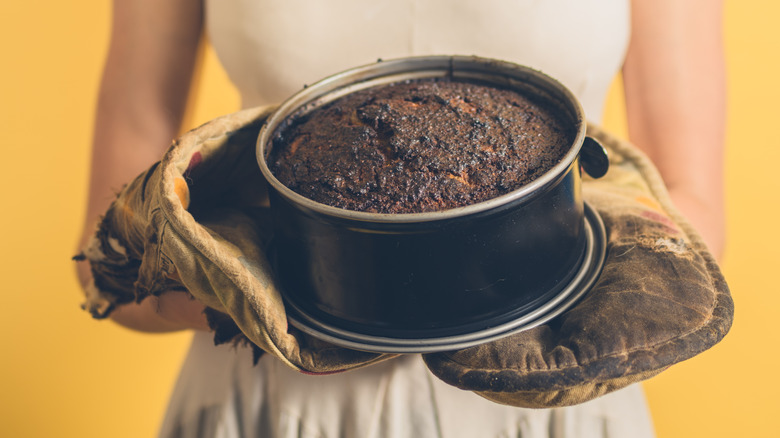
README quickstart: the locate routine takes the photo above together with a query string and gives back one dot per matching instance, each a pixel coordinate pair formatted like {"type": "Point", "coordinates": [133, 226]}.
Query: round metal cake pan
{"type": "Point", "coordinates": [579, 286]}
{"type": "Point", "coordinates": [440, 274]}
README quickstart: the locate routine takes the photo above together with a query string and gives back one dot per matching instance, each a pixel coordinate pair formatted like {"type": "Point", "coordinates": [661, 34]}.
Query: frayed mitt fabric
{"type": "Point", "coordinates": [199, 221]}
{"type": "Point", "coordinates": [659, 300]}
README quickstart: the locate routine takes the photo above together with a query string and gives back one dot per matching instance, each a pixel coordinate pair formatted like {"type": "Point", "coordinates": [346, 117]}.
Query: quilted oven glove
{"type": "Point", "coordinates": [198, 221]}
{"type": "Point", "coordinates": [660, 299]}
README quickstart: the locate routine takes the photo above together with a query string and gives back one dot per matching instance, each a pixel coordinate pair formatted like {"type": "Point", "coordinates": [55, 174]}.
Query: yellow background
{"type": "Point", "coordinates": [65, 375]}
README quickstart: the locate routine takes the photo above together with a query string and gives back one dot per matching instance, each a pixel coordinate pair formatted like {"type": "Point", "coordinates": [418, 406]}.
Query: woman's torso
{"type": "Point", "coordinates": [270, 49]}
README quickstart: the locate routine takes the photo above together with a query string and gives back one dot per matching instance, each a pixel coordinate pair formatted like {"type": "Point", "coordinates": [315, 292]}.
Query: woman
{"type": "Point", "coordinates": [674, 85]}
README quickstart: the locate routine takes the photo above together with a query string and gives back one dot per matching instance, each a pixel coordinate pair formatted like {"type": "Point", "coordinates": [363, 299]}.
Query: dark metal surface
{"type": "Point", "coordinates": [485, 331]}
{"type": "Point", "coordinates": [594, 158]}
{"type": "Point", "coordinates": [430, 274]}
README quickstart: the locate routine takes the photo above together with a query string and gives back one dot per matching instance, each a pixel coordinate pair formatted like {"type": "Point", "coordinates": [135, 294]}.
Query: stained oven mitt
{"type": "Point", "coordinates": [198, 221]}
{"type": "Point", "coordinates": [660, 299]}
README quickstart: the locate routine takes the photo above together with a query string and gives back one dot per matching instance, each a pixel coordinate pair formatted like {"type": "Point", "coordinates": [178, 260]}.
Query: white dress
{"type": "Point", "coordinates": [270, 49]}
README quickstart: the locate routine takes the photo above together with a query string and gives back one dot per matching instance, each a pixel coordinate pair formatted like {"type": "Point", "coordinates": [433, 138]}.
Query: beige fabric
{"type": "Point", "coordinates": [221, 394]}
{"type": "Point", "coordinates": [270, 49]}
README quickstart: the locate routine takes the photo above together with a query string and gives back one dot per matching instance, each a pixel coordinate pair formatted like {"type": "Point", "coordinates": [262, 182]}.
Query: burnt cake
{"type": "Point", "coordinates": [419, 146]}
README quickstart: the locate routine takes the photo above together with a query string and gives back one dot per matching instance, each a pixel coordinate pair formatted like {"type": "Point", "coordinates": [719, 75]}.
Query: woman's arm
{"type": "Point", "coordinates": [675, 87]}
{"type": "Point", "coordinates": [141, 102]}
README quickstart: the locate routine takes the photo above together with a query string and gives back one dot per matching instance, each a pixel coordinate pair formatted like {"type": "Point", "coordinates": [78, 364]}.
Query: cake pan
{"type": "Point", "coordinates": [450, 275]}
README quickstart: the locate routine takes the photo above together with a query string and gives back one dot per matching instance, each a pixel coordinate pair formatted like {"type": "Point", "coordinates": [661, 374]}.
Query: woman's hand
{"type": "Point", "coordinates": [172, 310]}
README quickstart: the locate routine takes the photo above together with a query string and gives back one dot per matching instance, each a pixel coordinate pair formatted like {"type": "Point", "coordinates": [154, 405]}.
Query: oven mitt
{"type": "Point", "coordinates": [198, 221]}
{"type": "Point", "coordinates": [660, 299]}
